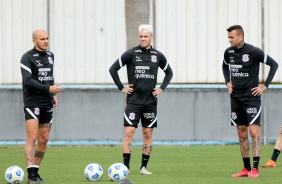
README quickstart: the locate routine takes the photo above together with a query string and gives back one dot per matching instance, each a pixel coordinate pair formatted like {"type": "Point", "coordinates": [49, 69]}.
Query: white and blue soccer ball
{"type": "Point", "coordinates": [14, 174]}
{"type": "Point", "coordinates": [93, 172]}
{"type": "Point", "coordinates": [117, 172]}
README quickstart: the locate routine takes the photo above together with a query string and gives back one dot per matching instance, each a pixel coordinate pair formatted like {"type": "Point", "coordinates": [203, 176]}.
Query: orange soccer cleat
{"type": "Point", "coordinates": [270, 163]}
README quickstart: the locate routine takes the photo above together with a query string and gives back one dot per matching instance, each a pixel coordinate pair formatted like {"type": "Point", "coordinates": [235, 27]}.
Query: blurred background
{"type": "Point", "coordinates": [87, 36]}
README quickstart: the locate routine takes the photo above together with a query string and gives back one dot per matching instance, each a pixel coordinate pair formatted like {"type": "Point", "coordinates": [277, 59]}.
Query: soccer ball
{"type": "Point", "coordinates": [14, 174]}
{"type": "Point", "coordinates": [117, 172]}
{"type": "Point", "coordinates": [93, 172]}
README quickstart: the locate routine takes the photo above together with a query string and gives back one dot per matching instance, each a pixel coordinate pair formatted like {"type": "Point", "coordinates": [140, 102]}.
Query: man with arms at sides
{"type": "Point", "coordinates": [142, 64]}
{"type": "Point", "coordinates": [39, 94]}
{"type": "Point", "coordinates": [241, 72]}
{"type": "Point", "coordinates": [276, 151]}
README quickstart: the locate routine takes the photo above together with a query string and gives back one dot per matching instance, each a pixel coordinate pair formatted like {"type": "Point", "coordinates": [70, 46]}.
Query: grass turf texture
{"type": "Point", "coordinates": [169, 164]}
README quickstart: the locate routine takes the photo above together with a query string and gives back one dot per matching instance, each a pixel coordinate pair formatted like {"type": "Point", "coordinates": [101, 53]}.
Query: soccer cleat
{"type": "Point", "coordinates": [270, 163]}
{"type": "Point", "coordinates": [243, 173]}
{"type": "Point", "coordinates": [32, 180]}
{"type": "Point", "coordinates": [254, 173]}
{"type": "Point", "coordinates": [144, 171]}
{"type": "Point", "coordinates": [39, 179]}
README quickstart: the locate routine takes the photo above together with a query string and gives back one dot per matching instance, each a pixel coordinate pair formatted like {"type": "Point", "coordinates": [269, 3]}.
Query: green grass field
{"type": "Point", "coordinates": [169, 164]}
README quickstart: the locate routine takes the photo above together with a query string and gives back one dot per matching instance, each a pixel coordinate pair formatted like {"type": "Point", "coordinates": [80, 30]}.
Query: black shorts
{"type": "Point", "coordinates": [245, 111]}
{"type": "Point", "coordinates": [147, 113]}
{"type": "Point", "coordinates": [42, 115]}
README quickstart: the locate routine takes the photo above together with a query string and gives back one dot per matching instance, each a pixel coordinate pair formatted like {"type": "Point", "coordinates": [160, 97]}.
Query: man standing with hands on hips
{"type": "Point", "coordinates": [241, 72]}
{"type": "Point", "coordinates": [39, 95]}
{"type": "Point", "coordinates": [142, 63]}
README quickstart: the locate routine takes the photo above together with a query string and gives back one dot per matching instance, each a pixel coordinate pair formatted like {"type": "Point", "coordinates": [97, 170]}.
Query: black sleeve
{"type": "Point", "coordinates": [168, 72]}
{"type": "Point", "coordinates": [225, 68]}
{"type": "Point", "coordinates": [26, 70]}
{"type": "Point", "coordinates": [273, 68]}
{"type": "Point", "coordinates": [262, 57]}
{"type": "Point", "coordinates": [118, 64]}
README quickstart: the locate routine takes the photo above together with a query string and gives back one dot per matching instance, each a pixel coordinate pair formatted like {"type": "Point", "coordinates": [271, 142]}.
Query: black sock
{"type": "Point", "coordinates": [275, 155]}
{"type": "Point", "coordinates": [256, 162]}
{"type": "Point", "coordinates": [126, 159]}
{"type": "Point", "coordinates": [31, 171]}
{"type": "Point", "coordinates": [247, 163]}
{"type": "Point", "coordinates": [145, 160]}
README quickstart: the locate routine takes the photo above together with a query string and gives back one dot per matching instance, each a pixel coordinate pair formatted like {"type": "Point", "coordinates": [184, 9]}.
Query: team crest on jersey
{"type": "Point", "coordinates": [50, 60]}
{"type": "Point", "coordinates": [245, 57]}
{"type": "Point", "coordinates": [233, 115]}
{"type": "Point", "coordinates": [154, 58]}
{"type": "Point", "coordinates": [131, 116]}
{"type": "Point", "coordinates": [36, 111]}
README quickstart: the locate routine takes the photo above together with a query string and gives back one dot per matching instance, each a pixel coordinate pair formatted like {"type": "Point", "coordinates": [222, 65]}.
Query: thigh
{"type": "Point", "coordinates": [238, 114]}
{"type": "Point", "coordinates": [132, 114]}
{"type": "Point", "coordinates": [149, 116]}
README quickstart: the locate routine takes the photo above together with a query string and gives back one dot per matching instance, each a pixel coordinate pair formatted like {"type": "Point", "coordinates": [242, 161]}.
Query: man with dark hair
{"type": "Point", "coordinates": [241, 70]}
{"type": "Point", "coordinates": [39, 100]}
{"type": "Point", "coordinates": [142, 64]}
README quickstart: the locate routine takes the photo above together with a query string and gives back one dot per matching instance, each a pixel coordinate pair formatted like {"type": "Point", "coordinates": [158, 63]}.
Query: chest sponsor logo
{"type": "Point", "coordinates": [154, 58]}
{"type": "Point", "coordinates": [142, 72]}
{"type": "Point", "coordinates": [235, 71]}
{"type": "Point", "coordinates": [245, 58]}
{"type": "Point", "coordinates": [43, 74]}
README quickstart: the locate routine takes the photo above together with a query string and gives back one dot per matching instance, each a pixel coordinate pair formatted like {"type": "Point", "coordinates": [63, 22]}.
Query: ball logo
{"type": "Point", "coordinates": [245, 57]}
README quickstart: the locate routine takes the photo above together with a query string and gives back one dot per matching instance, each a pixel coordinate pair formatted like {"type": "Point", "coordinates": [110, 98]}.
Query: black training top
{"type": "Point", "coordinates": [242, 66]}
{"type": "Point", "coordinates": [142, 70]}
{"type": "Point", "coordinates": [37, 77]}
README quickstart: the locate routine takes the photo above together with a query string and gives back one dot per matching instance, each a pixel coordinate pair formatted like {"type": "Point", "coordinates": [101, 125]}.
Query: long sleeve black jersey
{"type": "Point", "coordinates": [242, 67]}
{"type": "Point", "coordinates": [37, 77]}
{"type": "Point", "coordinates": [142, 70]}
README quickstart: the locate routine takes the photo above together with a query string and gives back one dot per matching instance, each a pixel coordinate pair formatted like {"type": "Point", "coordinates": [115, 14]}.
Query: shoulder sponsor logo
{"type": "Point", "coordinates": [245, 58]}
{"type": "Point", "coordinates": [36, 55]}
{"type": "Point", "coordinates": [49, 53]}
{"type": "Point", "coordinates": [139, 50]}
{"type": "Point", "coordinates": [138, 58]}
{"type": "Point", "coordinates": [231, 51]}
{"type": "Point", "coordinates": [153, 52]}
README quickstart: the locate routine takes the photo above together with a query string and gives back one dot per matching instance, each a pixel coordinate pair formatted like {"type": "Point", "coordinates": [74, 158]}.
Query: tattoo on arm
{"type": "Point", "coordinates": [39, 154]}
{"type": "Point", "coordinates": [147, 149]}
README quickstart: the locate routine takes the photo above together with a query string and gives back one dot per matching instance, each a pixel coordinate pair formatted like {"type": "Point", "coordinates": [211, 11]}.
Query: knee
{"type": "Point", "coordinates": [43, 139]}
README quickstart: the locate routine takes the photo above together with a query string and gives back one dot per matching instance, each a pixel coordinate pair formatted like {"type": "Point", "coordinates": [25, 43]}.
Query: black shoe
{"type": "Point", "coordinates": [39, 179]}
{"type": "Point", "coordinates": [32, 179]}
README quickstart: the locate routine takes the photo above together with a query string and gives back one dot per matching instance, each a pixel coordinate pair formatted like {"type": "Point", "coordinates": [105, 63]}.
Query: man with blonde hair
{"type": "Point", "coordinates": [142, 64]}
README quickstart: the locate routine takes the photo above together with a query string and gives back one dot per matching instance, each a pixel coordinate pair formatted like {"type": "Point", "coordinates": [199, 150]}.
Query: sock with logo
{"type": "Point", "coordinates": [145, 160]}
{"type": "Point", "coordinates": [247, 163]}
{"type": "Point", "coordinates": [275, 155]}
{"type": "Point", "coordinates": [126, 159]}
{"type": "Point", "coordinates": [256, 162]}
{"type": "Point", "coordinates": [31, 171]}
